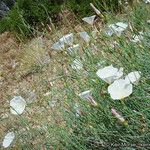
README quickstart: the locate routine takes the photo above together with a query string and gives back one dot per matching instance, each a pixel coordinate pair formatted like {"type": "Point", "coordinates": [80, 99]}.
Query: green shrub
{"type": "Point", "coordinates": [27, 14]}
{"type": "Point", "coordinates": [15, 22]}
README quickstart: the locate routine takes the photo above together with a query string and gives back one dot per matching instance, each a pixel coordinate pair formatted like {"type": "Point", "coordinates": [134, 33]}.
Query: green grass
{"type": "Point", "coordinates": [59, 128]}
{"type": "Point", "coordinates": [27, 15]}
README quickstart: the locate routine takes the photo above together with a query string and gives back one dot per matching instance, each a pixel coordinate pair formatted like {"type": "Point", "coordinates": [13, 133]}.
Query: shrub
{"type": "Point", "coordinates": [26, 14]}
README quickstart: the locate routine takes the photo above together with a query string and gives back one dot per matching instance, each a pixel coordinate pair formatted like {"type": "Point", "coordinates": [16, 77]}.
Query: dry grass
{"type": "Point", "coordinates": [33, 71]}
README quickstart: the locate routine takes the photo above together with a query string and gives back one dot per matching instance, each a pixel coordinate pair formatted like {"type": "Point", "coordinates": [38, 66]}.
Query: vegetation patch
{"type": "Point", "coordinates": [81, 87]}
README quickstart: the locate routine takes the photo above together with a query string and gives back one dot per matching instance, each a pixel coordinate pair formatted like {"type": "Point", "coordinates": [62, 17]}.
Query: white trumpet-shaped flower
{"type": "Point", "coordinates": [58, 46]}
{"type": "Point", "coordinates": [89, 20]}
{"type": "Point", "coordinates": [138, 38]}
{"type": "Point", "coordinates": [133, 77]}
{"type": "Point", "coordinates": [74, 48]}
{"type": "Point", "coordinates": [8, 139]}
{"type": "Point", "coordinates": [84, 35]}
{"type": "Point", "coordinates": [67, 39]}
{"type": "Point", "coordinates": [77, 65]}
{"type": "Point", "coordinates": [109, 74]}
{"type": "Point", "coordinates": [87, 95]}
{"type": "Point", "coordinates": [18, 105]}
{"type": "Point", "coordinates": [120, 89]}
{"type": "Point", "coordinates": [116, 28]}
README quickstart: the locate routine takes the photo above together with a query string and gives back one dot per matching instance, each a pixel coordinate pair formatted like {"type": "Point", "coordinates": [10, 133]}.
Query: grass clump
{"type": "Point", "coordinates": [25, 15]}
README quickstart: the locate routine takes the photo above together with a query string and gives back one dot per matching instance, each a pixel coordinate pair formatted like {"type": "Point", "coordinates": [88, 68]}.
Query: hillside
{"type": "Point", "coordinates": [80, 84]}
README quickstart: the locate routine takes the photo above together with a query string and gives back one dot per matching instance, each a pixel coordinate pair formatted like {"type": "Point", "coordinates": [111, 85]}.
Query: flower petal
{"type": "Point", "coordinates": [18, 105]}
{"type": "Point", "coordinates": [109, 73]}
{"type": "Point", "coordinates": [138, 38]}
{"type": "Point", "coordinates": [58, 45]}
{"type": "Point", "coordinates": [85, 94]}
{"type": "Point", "coordinates": [147, 1]}
{"type": "Point", "coordinates": [116, 28]}
{"type": "Point", "coordinates": [133, 77]}
{"type": "Point", "coordinates": [8, 139]}
{"type": "Point", "coordinates": [122, 25]}
{"type": "Point", "coordinates": [84, 35]}
{"type": "Point", "coordinates": [89, 20]}
{"type": "Point", "coordinates": [120, 89]}
{"type": "Point", "coordinates": [68, 39]}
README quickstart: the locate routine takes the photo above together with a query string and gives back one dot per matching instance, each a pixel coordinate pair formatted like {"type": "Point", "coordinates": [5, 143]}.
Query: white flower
{"type": "Point", "coordinates": [68, 39]}
{"type": "Point", "coordinates": [77, 65]}
{"type": "Point", "coordinates": [58, 46]}
{"type": "Point", "coordinates": [121, 25]}
{"type": "Point", "coordinates": [87, 95]}
{"type": "Point", "coordinates": [120, 89]}
{"type": "Point", "coordinates": [89, 20]}
{"type": "Point", "coordinates": [119, 73]}
{"type": "Point", "coordinates": [18, 105]}
{"type": "Point", "coordinates": [110, 74]}
{"type": "Point", "coordinates": [9, 137]}
{"type": "Point", "coordinates": [116, 28]}
{"type": "Point", "coordinates": [74, 48]}
{"type": "Point", "coordinates": [138, 38]}
{"type": "Point", "coordinates": [133, 77]}
{"type": "Point", "coordinates": [84, 35]}
{"type": "Point", "coordinates": [147, 1]}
